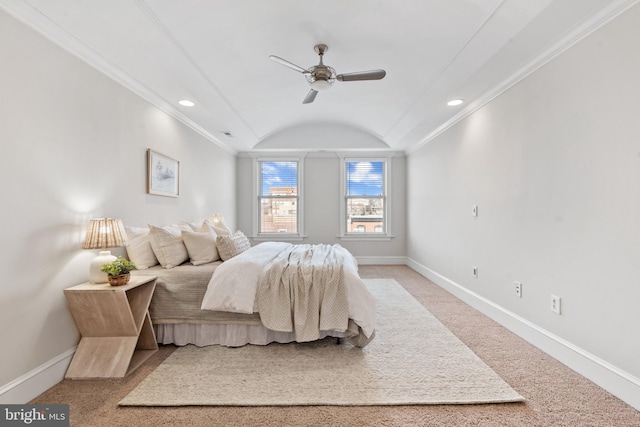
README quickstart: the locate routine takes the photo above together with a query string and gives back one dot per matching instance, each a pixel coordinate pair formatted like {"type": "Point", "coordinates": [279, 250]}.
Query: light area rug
{"type": "Point", "coordinates": [413, 360]}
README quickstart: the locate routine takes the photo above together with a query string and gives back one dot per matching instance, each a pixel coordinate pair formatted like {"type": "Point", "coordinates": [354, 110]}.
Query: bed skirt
{"type": "Point", "coordinates": [228, 335]}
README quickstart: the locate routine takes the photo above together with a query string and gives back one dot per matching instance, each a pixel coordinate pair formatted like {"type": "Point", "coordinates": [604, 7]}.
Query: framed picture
{"type": "Point", "coordinates": [163, 175]}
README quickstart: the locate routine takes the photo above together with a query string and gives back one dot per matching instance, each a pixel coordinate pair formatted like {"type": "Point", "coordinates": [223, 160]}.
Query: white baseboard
{"type": "Point", "coordinates": [37, 381]}
{"type": "Point", "coordinates": [616, 381]}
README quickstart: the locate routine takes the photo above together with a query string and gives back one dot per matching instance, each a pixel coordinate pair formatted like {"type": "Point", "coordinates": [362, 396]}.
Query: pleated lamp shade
{"type": "Point", "coordinates": [103, 233]}
{"type": "Point", "coordinates": [217, 220]}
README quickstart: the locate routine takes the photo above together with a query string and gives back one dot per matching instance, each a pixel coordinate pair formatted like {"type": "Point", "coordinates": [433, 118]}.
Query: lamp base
{"type": "Point", "coordinates": [95, 275]}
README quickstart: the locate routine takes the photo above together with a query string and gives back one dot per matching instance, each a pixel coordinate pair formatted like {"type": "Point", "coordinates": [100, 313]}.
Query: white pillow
{"type": "Point", "coordinates": [139, 249]}
{"type": "Point", "coordinates": [208, 227]}
{"type": "Point", "coordinates": [192, 226]}
{"type": "Point", "coordinates": [230, 246]}
{"type": "Point", "coordinates": [168, 246]}
{"type": "Point", "coordinates": [201, 246]}
{"type": "Point", "coordinates": [184, 225]}
{"type": "Point", "coordinates": [221, 231]}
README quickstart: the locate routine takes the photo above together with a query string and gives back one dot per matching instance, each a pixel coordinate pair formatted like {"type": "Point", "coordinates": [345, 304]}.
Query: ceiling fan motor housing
{"type": "Point", "coordinates": [321, 77]}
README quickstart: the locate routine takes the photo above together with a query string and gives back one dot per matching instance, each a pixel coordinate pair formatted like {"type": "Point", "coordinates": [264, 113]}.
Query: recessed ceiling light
{"type": "Point", "coordinates": [186, 103]}
{"type": "Point", "coordinates": [455, 102]}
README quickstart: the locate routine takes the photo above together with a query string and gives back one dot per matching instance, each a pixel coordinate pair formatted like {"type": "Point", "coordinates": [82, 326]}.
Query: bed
{"type": "Point", "coordinates": [272, 292]}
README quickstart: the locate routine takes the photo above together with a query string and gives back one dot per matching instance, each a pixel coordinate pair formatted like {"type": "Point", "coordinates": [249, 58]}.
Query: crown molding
{"type": "Point", "coordinates": [33, 18]}
{"type": "Point", "coordinates": [573, 37]}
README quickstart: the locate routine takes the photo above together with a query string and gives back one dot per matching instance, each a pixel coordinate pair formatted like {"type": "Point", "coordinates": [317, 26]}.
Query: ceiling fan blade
{"type": "Point", "coordinates": [362, 75]}
{"type": "Point", "coordinates": [310, 97]}
{"type": "Point", "coordinates": [287, 64]}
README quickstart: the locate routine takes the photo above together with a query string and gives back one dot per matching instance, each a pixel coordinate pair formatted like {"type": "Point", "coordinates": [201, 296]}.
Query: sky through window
{"type": "Point", "coordinates": [365, 178]}
{"type": "Point", "coordinates": [278, 175]}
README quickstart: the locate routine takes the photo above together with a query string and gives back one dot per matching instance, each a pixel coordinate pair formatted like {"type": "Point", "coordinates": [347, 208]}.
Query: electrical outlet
{"type": "Point", "coordinates": [555, 304]}
{"type": "Point", "coordinates": [475, 271]}
{"type": "Point", "coordinates": [518, 289]}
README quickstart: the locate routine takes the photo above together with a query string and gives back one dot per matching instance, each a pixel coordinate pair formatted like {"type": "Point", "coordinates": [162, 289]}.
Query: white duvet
{"type": "Point", "coordinates": [234, 284]}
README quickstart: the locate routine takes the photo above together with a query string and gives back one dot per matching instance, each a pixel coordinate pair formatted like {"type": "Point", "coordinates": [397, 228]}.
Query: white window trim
{"type": "Point", "coordinates": [353, 236]}
{"type": "Point", "coordinates": [256, 201]}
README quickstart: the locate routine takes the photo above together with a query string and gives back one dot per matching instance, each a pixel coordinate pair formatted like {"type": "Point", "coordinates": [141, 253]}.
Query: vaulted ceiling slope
{"type": "Point", "coordinates": [216, 53]}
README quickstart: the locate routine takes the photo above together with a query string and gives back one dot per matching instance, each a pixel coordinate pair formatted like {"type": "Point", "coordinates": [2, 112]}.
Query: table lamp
{"type": "Point", "coordinates": [103, 233]}
{"type": "Point", "coordinates": [217, 220]}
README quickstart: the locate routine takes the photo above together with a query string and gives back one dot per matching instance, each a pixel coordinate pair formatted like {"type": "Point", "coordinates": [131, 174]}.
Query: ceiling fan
{"type": "Point", "coordinates": [321, 77]}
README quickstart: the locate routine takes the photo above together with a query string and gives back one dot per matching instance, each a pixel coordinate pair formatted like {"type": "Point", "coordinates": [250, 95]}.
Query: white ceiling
{"type": "Point", "coordinates": [216, 53]}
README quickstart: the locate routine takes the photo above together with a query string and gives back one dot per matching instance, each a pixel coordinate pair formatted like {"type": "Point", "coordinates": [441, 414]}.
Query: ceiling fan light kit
{"type": "Point", "coordinates": [321, 77]}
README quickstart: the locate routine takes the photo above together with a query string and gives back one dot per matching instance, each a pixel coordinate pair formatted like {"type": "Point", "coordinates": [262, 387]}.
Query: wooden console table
{"type": "Point", "coordinates": [116, 329]}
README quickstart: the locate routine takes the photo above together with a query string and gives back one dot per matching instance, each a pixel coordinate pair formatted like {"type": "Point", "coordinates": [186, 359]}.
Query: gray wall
{"type": "Point", "coordinates": [74, 145]}
{"type": "Point", "coordinates": [554, 166]}
{"type": "Point", "coordinates": [322, 205]}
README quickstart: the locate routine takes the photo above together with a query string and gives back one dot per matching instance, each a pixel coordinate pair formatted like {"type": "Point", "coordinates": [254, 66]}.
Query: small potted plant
{"type": "Point", "coordinates": [118, 271]}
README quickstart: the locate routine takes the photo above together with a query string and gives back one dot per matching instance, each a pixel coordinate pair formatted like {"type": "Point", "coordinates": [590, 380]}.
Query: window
{"type": "Point", "coordinates": [278, 197]}
{"type": "Point", "coordinates": [365, 198]}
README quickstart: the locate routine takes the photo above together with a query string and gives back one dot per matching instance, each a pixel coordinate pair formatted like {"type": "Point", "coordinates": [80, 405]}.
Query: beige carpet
{"type": "Point", "coordinates": [414, 359]}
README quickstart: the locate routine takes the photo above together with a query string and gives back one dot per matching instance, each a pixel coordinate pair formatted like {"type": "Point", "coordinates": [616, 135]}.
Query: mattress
{"type": "Point", "coordinates": [178, 296]}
